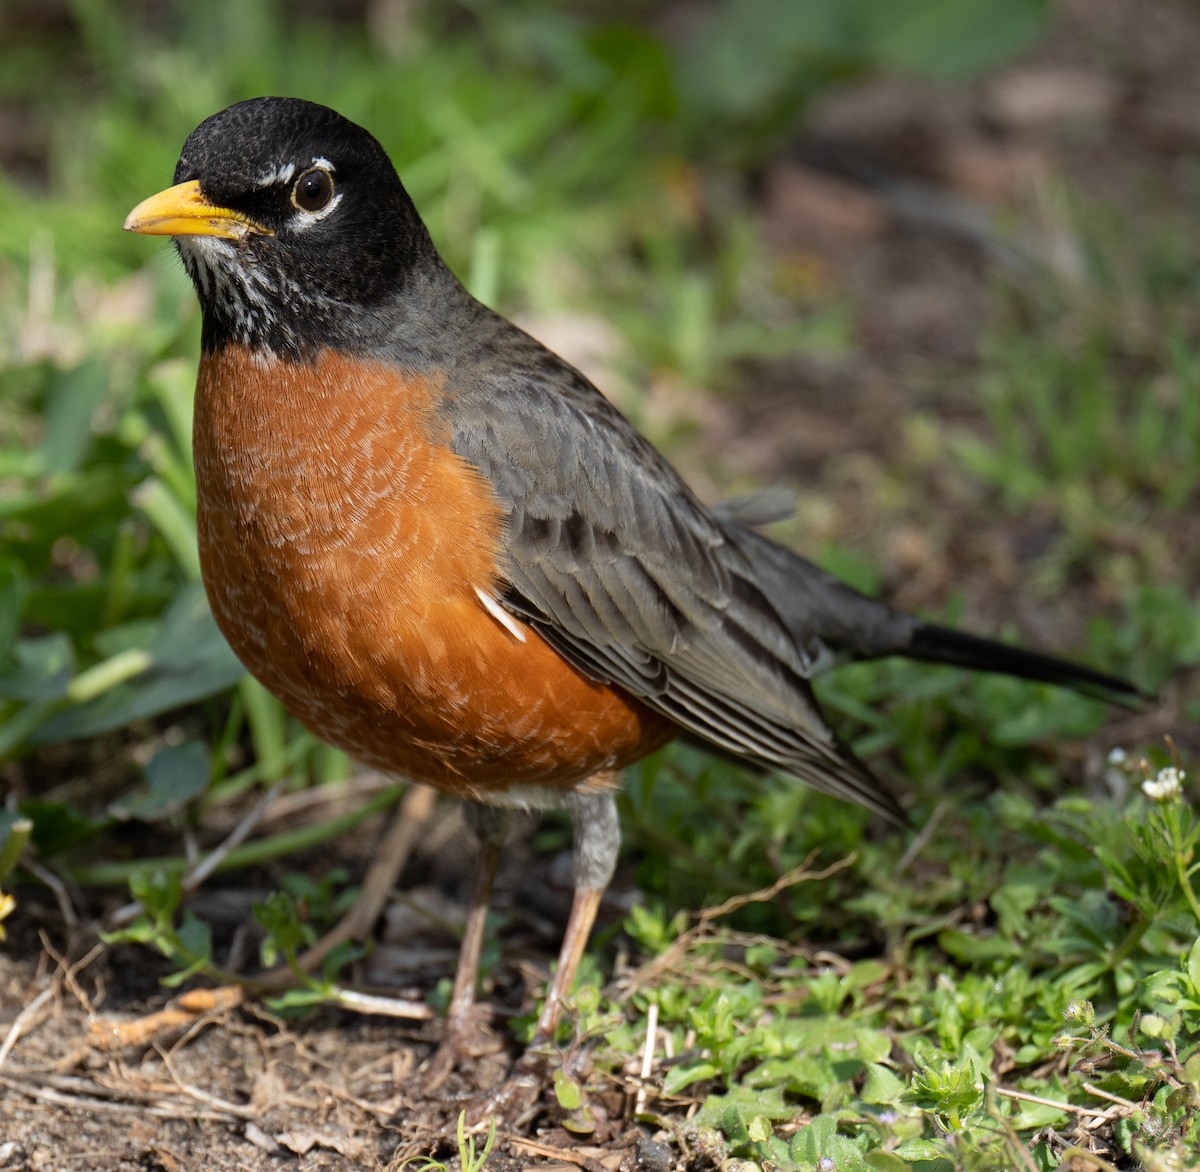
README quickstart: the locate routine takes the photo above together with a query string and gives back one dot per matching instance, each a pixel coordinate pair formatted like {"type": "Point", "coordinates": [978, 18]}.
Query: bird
{"type": "Point", "coordinates": [450, 555]}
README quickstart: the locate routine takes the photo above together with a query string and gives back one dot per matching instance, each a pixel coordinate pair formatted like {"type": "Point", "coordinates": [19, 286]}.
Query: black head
{"type": "Point", "coordinates": [293, 225]}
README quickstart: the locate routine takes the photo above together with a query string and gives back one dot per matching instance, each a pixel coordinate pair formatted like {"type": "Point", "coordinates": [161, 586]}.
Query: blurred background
{"type": "Point", "coordinates": [932, 266]}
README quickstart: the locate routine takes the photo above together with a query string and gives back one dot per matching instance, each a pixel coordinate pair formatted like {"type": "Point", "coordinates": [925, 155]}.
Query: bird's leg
{"type": "Point", "coordinates": [466, 1033]}
{"type": "Point", "coordinates": [597, 845]}
{"type": "Point", "coordinates": [579, 928]}
{"type": "Point", "coordinates": [489, 825]}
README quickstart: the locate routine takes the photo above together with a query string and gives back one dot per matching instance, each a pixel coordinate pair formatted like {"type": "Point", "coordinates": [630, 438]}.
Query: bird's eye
{"type": "Point", "coordinates": [313, 190]}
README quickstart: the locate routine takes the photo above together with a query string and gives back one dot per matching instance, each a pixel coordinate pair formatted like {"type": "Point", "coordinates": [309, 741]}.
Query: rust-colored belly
{"type": "Point", "coordinates": [344, 547]}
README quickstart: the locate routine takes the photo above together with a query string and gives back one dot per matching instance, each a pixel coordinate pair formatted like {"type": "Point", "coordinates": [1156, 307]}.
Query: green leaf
{"type": "Point", "coordinates": [1191, 1071]}
{"type": "Point", "coordinates": [820, 1141]}
{"type": "Point", "coordinates": [968, 947]}
{"type": "Point", "coordinates": [41, 669]}
{"type": "Point", "coordinates": [801, 1076]}
{"type": "Point", "coordinates": [953, 39]}
{"type": "Point", "coordinates": [684, 1075]}
{"type": "Point", "coordinates": [1193, 968]}
{"type": "Point", "coordinates": [299, 999]}
{"type": "Point", "coordinates": [1118, 875]}
{"type": "Point", "coordinates": [158, 891]}
{"type": "Point", "coordinates": [286, 930]}
{"type": "Point", "coordinates": [882, 1085]}
{"type": "Point", "coordinates": [193, 949]}
{"type": "Point", "coordinates": [922, 1149]}
{"type": "Point", "coordinates": [189, 661]}
{"type": "Point", "coordinates": [1031, 1116]}
{"type": "Point", "coordinates": [57, 826]}
{"type": "Point", "coordinates": [567, 1092]}
{"type": "Point", "coordinates": [72, 402]}
{"type": "Point", "coordinates": [886, 1161]}
{"type": "Point", "coordinates": [873, 1045]}
{"type": "Point", "coordinates": [811, 1143]}
{"type": "Point", "coordinates": [865, 973]}
{"type": "Point", "coordinates": [17, 728]}
{"type": "Point", "coordinates": [740, 1103]}
{"type": "Point", "coordinates": [175, 775]}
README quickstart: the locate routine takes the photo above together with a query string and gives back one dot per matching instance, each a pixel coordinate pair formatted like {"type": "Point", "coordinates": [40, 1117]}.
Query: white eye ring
{"type": "Point", "coordinates": [315, 195]}
{"type": "Point", "coordinates": [313, 191]}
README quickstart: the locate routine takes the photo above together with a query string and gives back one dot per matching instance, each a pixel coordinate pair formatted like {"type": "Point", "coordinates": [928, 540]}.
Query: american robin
{"type": "Point", "coordinates": [447, 553]}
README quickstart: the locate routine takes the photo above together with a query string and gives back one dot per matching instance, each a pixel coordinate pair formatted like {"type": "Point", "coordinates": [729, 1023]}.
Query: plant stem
{"type": "Point", "coordinates": [1185, 882]}
{"type": "Point", "coordinates": [260, 851]}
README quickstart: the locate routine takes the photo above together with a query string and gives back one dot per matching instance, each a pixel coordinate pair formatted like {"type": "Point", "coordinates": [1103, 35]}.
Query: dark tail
{"type": "Point", "coordinates": [935, 644]}
{"type": "Point", "coordinates": [832, 623]}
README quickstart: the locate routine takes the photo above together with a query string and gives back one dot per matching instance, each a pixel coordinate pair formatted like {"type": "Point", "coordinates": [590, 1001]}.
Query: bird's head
{"type": "Point", "coordinates": [292, 225]}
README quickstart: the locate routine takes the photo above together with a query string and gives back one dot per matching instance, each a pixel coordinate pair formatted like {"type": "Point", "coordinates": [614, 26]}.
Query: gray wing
{"type": "Point", "coordinates": [620, 568]}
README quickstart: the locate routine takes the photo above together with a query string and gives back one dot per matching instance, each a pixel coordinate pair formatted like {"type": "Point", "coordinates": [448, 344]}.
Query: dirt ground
{"type": "Point", "coordinates": [888, 195]}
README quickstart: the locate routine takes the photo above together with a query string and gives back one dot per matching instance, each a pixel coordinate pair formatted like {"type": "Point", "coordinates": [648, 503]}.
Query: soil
{"type": "Point", "coordinates": [888, 198]}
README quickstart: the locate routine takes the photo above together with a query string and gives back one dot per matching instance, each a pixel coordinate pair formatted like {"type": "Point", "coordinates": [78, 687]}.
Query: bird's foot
{"type": "Point", "coordinates": [517, 1099]}
{"type": "Point", "coordinates": [469, 1039]}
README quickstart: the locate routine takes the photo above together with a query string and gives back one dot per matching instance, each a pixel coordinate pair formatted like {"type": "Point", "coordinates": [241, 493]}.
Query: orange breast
{"type": "Point", "coordinates": [344, 547]}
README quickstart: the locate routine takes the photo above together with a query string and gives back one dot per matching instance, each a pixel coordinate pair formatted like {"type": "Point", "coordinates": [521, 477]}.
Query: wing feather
{"type": "Point", "coordinates": [618, 566]}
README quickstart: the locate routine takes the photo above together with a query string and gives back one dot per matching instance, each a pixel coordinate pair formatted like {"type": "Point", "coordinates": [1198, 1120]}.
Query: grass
{"type": "Point", "coordinates": [1024, 977]}
{"type": "Point", "coordinates": [1025, 971]}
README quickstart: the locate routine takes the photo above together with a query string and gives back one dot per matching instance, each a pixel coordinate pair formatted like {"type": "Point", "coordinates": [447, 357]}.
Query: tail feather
{"type": "Point", "coordinates": [935, 644]}
{"type": "Point", "coordinates": [833, 623]}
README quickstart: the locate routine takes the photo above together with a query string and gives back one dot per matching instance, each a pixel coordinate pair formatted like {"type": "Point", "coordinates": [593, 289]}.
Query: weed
{"type": "Point", "coordinates": [469, 1157]}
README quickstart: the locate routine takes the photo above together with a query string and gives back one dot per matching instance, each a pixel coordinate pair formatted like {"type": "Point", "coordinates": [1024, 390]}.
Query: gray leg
{"type": "Point", "coordinates": [465, 1031]}
{"type": "Point", "coordinates": [489, 826]}
{"type": "Point", "coordinates": [597, 831]}
{"type": "Point", "coordinates": [597, 845]}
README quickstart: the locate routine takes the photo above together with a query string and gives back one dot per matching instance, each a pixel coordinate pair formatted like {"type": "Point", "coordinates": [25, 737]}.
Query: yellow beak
{"type": "Point", "coordinates": [183, 211]}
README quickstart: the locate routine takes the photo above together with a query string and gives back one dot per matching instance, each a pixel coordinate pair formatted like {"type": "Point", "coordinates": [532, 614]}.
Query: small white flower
{"type": "Point", "coordinates": [1116, 756]}
{"type": "Point", "coordinates": [1166, 785]}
